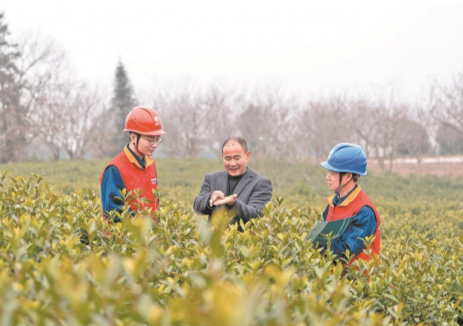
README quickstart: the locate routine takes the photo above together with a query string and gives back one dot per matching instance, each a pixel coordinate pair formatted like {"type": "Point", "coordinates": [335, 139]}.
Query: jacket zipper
{"type": "Point", "coordinates": [332, 214]}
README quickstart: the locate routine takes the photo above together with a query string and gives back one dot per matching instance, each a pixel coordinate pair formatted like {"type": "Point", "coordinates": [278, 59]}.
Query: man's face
{"type": "Point", "coordinates": [333, 180]}
{"type": "Point", "coordinates": [235, 160]}
{"type": "Point", "coordinates": [146, 145]}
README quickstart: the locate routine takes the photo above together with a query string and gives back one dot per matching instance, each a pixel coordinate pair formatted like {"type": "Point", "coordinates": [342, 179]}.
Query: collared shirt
{"type": "Point", "coordinates": [363, 225]}
{"type": "Point", "coordinates": [111, 185]}
{"type": "Point", "coordinates": [141, 161]}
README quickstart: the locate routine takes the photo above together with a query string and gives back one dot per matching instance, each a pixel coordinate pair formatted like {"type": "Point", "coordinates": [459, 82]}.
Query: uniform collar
{"type": "Point", "coordinates": [135, 160]}
{"type": "Point", "coordinates": [348, 199]}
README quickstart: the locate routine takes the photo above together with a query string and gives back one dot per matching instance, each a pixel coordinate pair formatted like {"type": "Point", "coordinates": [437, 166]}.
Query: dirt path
{"type": "Point", "coordinates": [439, 169]}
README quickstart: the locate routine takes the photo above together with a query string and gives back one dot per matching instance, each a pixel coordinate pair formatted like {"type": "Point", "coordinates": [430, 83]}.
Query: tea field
{"type": "Point", "coordinates": [61, 264]}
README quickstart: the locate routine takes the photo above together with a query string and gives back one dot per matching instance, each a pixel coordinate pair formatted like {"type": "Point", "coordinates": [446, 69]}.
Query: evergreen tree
{"type": "Point", "coordinates": [11, 121]}
{"type": "Point", "coordinates": [122, 102]}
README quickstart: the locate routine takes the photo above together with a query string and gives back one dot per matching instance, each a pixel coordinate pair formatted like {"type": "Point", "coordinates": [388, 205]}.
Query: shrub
{"type": "Point", "coordinates": [62, 264]}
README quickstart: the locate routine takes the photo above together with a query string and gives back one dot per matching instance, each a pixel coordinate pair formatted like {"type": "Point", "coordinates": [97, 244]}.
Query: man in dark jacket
{"type": "Point", "coordinates": [239, 190]}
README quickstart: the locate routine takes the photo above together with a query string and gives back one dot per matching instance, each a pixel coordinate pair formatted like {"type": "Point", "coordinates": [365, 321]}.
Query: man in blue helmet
{"type": "Point", "coordinates": [346, 163]}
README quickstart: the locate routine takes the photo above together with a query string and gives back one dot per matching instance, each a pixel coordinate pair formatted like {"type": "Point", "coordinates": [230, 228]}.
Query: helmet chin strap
{"type": "Point", "coordinates": [341, 174]}
{"type": "Point", "coordinates": [136, 144]}
{"type": "Point", "coordinates": [138, 139]}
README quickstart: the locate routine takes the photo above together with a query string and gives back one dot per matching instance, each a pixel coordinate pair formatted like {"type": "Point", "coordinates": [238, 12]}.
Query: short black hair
{"type": "Point", "coordinates": [238, 140]}
{"type": "Point", "coordinates": [355, 176]}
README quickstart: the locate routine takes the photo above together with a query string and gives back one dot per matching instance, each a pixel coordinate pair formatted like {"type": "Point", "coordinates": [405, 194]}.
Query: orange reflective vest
{"type": "Point", "coordinates": [135, 177]}
{"type": "Point", "coordinates": [349, 207]}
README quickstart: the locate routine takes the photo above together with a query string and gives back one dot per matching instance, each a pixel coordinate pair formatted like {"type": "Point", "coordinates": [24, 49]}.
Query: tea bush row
{"type": "Point", "coordinates": [62, 264]}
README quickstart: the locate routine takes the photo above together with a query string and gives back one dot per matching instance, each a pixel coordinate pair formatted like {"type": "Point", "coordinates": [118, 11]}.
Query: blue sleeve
{"type": "Point", "coordinates": [110, 186]}
{"type": "Point", "coordinates": [363, 225]}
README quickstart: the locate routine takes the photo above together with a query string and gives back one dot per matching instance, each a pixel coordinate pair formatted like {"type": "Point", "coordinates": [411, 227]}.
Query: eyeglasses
{"type": "Point", "coordinates": [152, 141]}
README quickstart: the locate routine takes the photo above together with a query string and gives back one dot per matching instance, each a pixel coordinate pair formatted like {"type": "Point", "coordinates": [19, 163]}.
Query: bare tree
{"type": "Point", "coordinates": [266, 122]}
{"type": "Point", "coordinates": [45, 123]}
{"type": "Point", "coordinates": [445, 103]}
{"type": "Point", "coordinates": [413, 139]}
{"type": "Point", "coordinates": [67, 116]}
{"type": "Point", "coordinates": [267, 125]}
{"type": "Point", "coordinates": [322, 124]}
{"type": "Point", "coordinates": [390, 120]}
{"type": "Point", "coordinates": [362, 122]}
{"type": "Point", "coordinates": [184, 119]}
{"type": "Point", "coordinates": [102, 133]}
{"type": "Point", "coordinates": [41, 62]}
{"type": "Point", "coordinates": [33, 69]}
{"type": "Point", "coordinates": [377, 125]}
{"type": "Point", "coordinates": [449, 140]}
{"type": "Point", "coordinates": [221, 108]}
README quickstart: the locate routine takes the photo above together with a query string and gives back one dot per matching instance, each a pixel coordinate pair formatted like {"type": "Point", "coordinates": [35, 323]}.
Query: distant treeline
{"type": "Point", "coordinates": [47, 113]}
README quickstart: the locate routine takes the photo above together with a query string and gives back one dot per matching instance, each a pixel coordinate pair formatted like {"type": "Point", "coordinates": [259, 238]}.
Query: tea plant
{"type": "Point", "coordinates": [61, 263]}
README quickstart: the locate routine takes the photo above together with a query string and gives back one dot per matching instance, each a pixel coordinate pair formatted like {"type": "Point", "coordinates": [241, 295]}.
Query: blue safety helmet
{"type": "Point", "coordinates": [345, 157]}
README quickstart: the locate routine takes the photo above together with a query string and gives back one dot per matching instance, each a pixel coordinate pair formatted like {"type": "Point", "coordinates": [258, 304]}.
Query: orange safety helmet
{"type": "Point", "coordinates": [144, 121]}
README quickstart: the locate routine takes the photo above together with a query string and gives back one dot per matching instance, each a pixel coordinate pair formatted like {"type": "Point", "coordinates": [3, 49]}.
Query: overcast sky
{"type": "Point", "coordinates": [319, 46]}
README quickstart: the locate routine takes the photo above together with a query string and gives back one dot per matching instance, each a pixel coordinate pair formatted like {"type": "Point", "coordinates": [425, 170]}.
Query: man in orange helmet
{"type": "Point", "coordinates": [133, 168]}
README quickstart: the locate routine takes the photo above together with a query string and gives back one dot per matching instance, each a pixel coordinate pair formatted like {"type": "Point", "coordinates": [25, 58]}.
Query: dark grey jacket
{"type": "Point", "coordinates": [253, 190]}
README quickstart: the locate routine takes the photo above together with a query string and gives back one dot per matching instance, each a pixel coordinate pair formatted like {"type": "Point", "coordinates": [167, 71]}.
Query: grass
{"type": "Point", "coordinates": [304, 183]}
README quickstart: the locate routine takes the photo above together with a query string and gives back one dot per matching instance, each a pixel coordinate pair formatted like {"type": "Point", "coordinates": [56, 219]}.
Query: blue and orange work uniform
{"type": "Point", "coordinates": [128, 171]}
{"type": "Point", "coordinates": [366, 222]}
